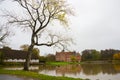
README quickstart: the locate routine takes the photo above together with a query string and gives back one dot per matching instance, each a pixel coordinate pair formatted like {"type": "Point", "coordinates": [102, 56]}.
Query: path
{"type": "Point", "coordinates": [11, 77]}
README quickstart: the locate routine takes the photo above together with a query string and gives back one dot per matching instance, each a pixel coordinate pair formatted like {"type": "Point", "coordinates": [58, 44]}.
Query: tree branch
{"type": "Point", "coordinates": [46, 44]}
{"type": "Point", "coordinates": [27, 8]}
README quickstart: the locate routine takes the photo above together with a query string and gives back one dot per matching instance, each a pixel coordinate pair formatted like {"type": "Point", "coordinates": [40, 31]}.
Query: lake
{"type": "Point", "coordinates": [90, 71]}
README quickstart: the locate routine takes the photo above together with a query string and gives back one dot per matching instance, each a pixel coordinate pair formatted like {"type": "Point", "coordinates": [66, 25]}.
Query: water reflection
{"type": "Point", "coordinates": [117, 67]}
{"type": "Point", "coordinates": [91, 71]}
{"type": "Point", "coordinates": [68, 69]}
{"type": "Point", "coordinates": [59, 70]}
{"type": "Point", "coordinates": [94, 69]}
{"type": "Point", "coordinates": [21, 68]}
{"type": "Point", "coordinates": [87, 69]}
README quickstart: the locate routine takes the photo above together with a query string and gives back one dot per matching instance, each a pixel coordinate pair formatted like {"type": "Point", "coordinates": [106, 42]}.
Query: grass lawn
{"type": "Point", "coordinates": [35, 75]}
{"type": "Point", "coordinates": [60, 63]}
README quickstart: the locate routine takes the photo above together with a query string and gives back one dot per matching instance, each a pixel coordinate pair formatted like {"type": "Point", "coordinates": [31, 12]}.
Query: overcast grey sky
{"type": "Point", "coordinates": [96, 25]}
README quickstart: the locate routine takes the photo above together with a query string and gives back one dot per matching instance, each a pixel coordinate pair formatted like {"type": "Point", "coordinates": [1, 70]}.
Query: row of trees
{"type": "Point", "coordinates": [49, 57]}
{"type": "Point", "coordinates": [108, 54]}
{"type": "Point", "coordinates": [90, 55]}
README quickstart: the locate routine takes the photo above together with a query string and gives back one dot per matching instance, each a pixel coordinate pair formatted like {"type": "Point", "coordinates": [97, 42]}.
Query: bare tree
{"type": "Point", "coordinates": [39, 14]}
{"type": "Point", "coordinates": [4, 33]}
{"type": "Point", "coordinates": [63, 41]}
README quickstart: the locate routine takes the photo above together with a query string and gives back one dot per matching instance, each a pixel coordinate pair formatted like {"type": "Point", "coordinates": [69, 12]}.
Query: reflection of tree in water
{"type": "Point", "coordinates": [117, 67]}
{"type": "Point", "coordinates": [68, 69]}
{"type": "Point", "coordinates": [87, 69]}
{"type": "Point", "coordinates": [46, 67]}
{"type": "Point", "coordinates": [108, 69]}
{"type": "Point", "coordinates": [91, 69]}
{"type": "Point", "coordinates": [94, 69]}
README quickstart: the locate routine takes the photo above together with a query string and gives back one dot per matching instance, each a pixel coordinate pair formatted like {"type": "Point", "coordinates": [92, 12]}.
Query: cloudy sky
{"type": "Point", "coordinates": [96, 25]}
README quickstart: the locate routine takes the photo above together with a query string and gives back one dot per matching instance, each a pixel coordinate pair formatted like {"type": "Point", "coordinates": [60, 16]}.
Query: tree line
{"type": "Point", "coordinates": [107, 54]}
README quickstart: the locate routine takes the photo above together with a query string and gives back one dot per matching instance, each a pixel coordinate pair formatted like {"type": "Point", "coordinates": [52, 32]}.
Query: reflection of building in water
{"type": "Point", "coordinates": [68, 56]}
{"type": "Point", "coordinates": [68, 69]}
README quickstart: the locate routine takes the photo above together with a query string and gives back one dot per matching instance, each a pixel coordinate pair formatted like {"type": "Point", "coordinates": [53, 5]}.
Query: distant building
{"type": "Point", "coordinates": [67, 56]}
{"type": "Point", "coordinates": [17, 56]}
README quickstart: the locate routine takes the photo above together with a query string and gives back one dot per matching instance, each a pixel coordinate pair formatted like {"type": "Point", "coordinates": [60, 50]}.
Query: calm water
{"type": "Point", "coordinates": [90, 71]}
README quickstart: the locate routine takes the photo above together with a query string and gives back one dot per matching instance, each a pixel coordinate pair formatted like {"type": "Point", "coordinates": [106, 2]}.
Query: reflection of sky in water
{"type": "Point", "coordinates": [50, 72]}
{"type": "Point", "coordinates": [14, 68]}
{"type": "Point", "coordinates": [21, 68]}
{"type": "Point", "coordinates": [99, 76]}
{"type": "Point", "coordinates": [90, 71]}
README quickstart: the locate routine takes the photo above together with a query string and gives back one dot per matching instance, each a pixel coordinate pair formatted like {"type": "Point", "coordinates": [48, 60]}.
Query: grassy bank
{"type": "Point", "coordinates": [48, 63]}
{"type": "Point", "coordinates": [60, 63]}
{"type": "Point", "coordinates": [35, 75]}
{"type": "Point", "coordinates": [57, 63]}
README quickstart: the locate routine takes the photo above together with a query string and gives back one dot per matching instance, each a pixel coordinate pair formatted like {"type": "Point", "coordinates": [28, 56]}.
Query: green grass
{"type": "Point", "coordinates": [60, 63]}
{"type": "Point", "coordinates": [35, 75]}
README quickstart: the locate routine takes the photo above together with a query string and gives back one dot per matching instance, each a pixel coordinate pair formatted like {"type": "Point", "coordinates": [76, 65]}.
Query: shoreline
{"type": "Point", "coordinates": [33, 75]}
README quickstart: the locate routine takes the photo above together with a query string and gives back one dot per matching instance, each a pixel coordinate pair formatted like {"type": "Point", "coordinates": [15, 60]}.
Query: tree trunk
{"type": "Point", "coordinates": [28, 58]}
